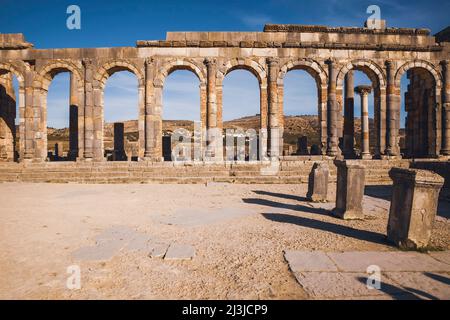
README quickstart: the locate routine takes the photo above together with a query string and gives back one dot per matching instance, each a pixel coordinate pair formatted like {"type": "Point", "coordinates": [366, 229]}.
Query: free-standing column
{"type": "Point", "coordinates": [445, 149]}
{"type": "Point", "coordinates": [88, 110]}
{"type": "Point", "coordinates": [364, 91]}
{"type": "Point", "coordinates": [332, 148]}
{"type": "Point", "coordinates": [274, 126]}
{"type": "Point", "coordinates": [349, 120]}
{"type": "Point", "coordinates": [391, 111]}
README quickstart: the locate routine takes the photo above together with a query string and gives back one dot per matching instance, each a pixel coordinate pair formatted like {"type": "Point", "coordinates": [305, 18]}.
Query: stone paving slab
{"type": "Point", "coordinates": [180, 252]}
{"type": "Point", "coordinates": [337, 285]}
{"type": "Point", "coordinates": [309, 261]}
{"type": "Point", "coordinates": [443, 256]}
{"type": "Point", "coordinates": [404, 275]}
{"type": "Point", "coordinates": [424, 285]}
{"type": "Point", "coordinates": [158, 250]}
{"type": "Point", "coordinates": [103, 250]}
{"type": "Point", "coordinates": [354, 261]}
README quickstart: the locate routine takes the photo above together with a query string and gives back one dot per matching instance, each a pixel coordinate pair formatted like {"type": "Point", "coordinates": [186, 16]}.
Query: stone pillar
{"type": "Point", "coordinates": [119, 142]}
{"type": "Point", "coordinates": [413, 208]}
{"type": "Point", "coordinates": [88, 110]}
{"type": "Point", "coordinates": [28, 154]}
{"type": "Point", "coordinates": [364, 92]}
{"type": "Point", "coordinates": [349, 117]}
{"type": "Point", "coordinates": [350, 189]}
{"type": "Point", "coordinates": [392, 100]}
{"type": "Point", "coordinates": [302, 145]}
{"type": "Point", "coordinates": [445, 149]}
{"type": "Point", "coordinates": [73, 118]}
{"type": "Point", "coordinates": [151, 135]}
{"type": "Point", "coordinates": [213, 136]}
{"type": "Point", "coordinates": [318, 182]}
{"type": "Point", "coordinates": [275, 144]}
{"type": "Point", "coordinates": [332, 110]}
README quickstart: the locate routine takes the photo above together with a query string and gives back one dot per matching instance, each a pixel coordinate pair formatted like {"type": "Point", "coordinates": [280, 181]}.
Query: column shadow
{"type": "Point", "coordinates": [295, 207]}
{"type": "Point", "coordinates": [402, 293]}
{"type": "Point", "coordinates": [338, 229]}
{"type": "Point", "coordinates": [281, 195]}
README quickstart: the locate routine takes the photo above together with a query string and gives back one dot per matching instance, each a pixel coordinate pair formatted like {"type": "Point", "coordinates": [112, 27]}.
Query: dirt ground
{"type": "Point", "coordinates": [239, 233]}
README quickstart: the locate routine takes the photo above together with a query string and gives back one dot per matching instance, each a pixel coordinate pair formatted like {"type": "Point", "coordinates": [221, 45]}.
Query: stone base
{"type": "Point", "coordinates": [366, 156]}
{"type": "Point", "coordinates": [348, 214]}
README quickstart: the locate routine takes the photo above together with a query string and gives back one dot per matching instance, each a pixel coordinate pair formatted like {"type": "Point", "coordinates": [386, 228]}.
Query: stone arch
{"type": "Point", "coordinates": [370, 68]}
{"type": "Point", "coordinates": [424, 116]}
{"type": "Point", "coordinates": [51, 69]}
{"type": "Point", "coordinates": [180, 64]}
{"type": "Point", "coordinates": [418, 64]}
{"type": "Point", "coordinates": [377, 76]}
{"type": "Point", "coordinates": [9, 67]}
{"type": "Point", "coordinates": [9, 149]}
{"type": "Point", "coordinates": [113, 66]}
{"type": "Point", "coordinates": [309, 65]}
{"type": "Point", "coordinates": [246, 64]}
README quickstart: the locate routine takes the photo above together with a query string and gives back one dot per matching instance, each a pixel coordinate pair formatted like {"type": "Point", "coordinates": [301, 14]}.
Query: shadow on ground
{"type": "Point", "coordinates": [402, 293]}
{"type": "Point", "coordinates": [364, 235]}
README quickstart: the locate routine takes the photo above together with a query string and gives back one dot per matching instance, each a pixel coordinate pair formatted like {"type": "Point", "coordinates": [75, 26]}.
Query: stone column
{"type": "Point", "coordinates": [274, 146]}
{"type": "Point", "coordinates": [213, 145]}
{"type": "Point", "coordinates": [391, 111]}
{"type": "Point", "coordinates": [350, 189]}
{"type": "Point", "coordinates": [88, 110]}
{"type": "Point", "coordinates": [318, 182]}
{"type": "Point", "coordinates": [73, 118]}
{"type": "Point", "coordinates": [349, 117]}
{"type": "Point", "coordinates": [364, 92]}
{"type": "Point", "coordinates": [413, 208]}
{"type": "Point", "coordinates": [28, 153]}
{"type": "Point", "coordinates": [150, 135]}
{"type": "Point", "coordinates": [445, 149]}
{"type": "Point", "coordinates": [332, 110]}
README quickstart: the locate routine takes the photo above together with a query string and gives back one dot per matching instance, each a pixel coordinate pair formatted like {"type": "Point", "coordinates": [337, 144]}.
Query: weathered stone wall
{"type": "Point", "coordinates": [327, 54]}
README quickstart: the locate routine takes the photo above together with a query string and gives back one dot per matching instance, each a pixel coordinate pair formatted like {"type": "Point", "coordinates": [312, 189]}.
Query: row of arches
{"type": "Point", "coordinates": [375, 74]}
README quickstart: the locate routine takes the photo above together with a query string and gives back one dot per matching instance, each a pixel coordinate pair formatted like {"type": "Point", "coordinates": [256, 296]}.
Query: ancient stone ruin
{"type": "Point", "coordinates": [413, 207]}
{"type": "Point", "coordinates": [328, 54]}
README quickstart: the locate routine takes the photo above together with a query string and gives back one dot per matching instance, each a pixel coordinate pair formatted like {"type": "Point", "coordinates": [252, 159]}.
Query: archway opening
{"type": "Point", "coordinates": [301, 133]}
{"type": "Point", "coordinates": [181, 114]}
{"type": "Point", "coordinates": [59, 119]}
{"type": "Point", "coordinates": [121, 114]}
{"type": "Point", "coordinates": [241, 114]}
{"type": "Point", "coordinates": [9, 117]}
{"type": "Point", "coordinates": [417, 134]}
{"type": "Point", "coordinates": [358, 129]}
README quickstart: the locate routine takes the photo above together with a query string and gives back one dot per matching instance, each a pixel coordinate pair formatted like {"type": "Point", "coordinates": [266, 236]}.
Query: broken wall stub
{"type": "Point", "coordinates": [350, 189]}
{"type": "Point", "coordinates": [413, 207]}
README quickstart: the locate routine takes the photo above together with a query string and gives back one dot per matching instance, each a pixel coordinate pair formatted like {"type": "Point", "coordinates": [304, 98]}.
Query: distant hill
{"type": "Point", "coordinates": [294, 127]}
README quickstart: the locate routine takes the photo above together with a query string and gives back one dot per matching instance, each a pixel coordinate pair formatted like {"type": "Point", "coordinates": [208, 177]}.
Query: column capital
{"type": "Point", "coordinates": [363, 90]}
{"type": "Point", "coordinates": [210, 62]}
{"type": "Point", "coordinates": [149, 61]}
{"type": "Point", "coordinates": [87, 61]}
{"type": "Point", "coordinates": [389, 64]}
{"type": "Point", "coordinates": [273, 61]}
{"type": "Point", "coordinates": [330, 61]}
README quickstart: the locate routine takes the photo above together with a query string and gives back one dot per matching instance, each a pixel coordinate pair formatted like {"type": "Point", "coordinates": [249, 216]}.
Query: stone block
{"type": "Point", "coordinates": [413, 206]}
{"type": "Point", "coordinates": [350, 189]}
{"type": "Point", "coordinates": [318, 183]}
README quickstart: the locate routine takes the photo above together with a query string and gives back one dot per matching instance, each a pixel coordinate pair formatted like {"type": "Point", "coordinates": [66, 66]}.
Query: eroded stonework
{"type": "Point", "coordinates": [327, 54]}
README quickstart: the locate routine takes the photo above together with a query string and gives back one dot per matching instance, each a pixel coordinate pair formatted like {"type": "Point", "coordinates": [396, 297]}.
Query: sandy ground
{"type": "Point", "coordinates": [238, 232]}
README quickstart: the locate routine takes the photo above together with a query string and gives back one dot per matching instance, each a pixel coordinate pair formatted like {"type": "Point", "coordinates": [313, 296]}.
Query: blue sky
{"type": "Point", "coordinates": [121, 23]}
